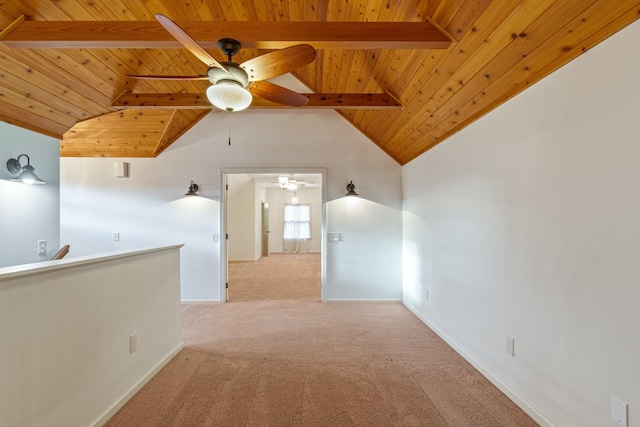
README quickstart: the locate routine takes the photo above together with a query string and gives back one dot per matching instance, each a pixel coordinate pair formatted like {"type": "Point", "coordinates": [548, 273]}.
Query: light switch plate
{"type": "Point", "coordinates": [510, 346]}
{"type": "Point", "coordinates": [42, 247]}
{"type": "Point", "coordinates": [335, 237]}
{"type": "Point", "coordinates": [133, 343]}
{"type": "Point", "coordinates": [619, 411]}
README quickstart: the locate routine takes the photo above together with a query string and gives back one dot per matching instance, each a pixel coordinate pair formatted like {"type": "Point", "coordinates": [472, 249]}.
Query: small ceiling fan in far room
{"type": "Point", "coordinates": [288, 182]}
{"type": "Point", "coordinates": [232, 84]}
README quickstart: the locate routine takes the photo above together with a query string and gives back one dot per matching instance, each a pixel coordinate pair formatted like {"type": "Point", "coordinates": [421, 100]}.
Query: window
{"type": "Point", "coordinates": [297, 220]}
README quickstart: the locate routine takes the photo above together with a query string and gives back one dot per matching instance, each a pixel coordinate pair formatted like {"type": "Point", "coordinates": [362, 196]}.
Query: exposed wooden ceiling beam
{"type": "Point", "coordinates": [258, 35]}
{"type": "Point", "coordinates": [33, 125]}
{"type": "Point", "coordinates": [316, 101]}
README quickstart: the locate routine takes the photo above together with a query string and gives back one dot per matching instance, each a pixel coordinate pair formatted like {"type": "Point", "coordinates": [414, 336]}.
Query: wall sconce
{"type": "Point", "coordinates": [351, 189]}
{"type": "Point", "coordinates": [27, 172]}
{"type": "Point", "coordinates": [193, 188]}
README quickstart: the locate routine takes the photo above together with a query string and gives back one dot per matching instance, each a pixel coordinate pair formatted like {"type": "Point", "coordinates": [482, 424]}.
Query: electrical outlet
{"type": "Point", "coordinates": [116, 237]}
{"type": "Point", "coordinates": [133, 343]}
{"type": "Point", "coordinates": [510, 346]}
{"type": "Point", "coordinates": [216, 237]}
{"type": "Point", "coordinates": [335, 237]}
{"type": "Point", "coordinates": [42, 247]}
{"type": "Point", "coordinates": [619, 411]}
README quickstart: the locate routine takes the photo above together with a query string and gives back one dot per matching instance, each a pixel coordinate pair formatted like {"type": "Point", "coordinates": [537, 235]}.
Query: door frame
{"type": "Point", "coordinates": [264, 232]}
{"type": "Point", "coordinates": [224, 263]}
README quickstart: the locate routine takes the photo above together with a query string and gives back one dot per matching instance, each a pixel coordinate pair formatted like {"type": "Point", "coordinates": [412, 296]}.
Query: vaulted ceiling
{"type": "Point", "coordinates": [64, 67]}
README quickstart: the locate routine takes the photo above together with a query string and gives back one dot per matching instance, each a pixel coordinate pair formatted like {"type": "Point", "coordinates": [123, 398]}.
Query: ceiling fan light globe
{"type": "Point", "coordinates": [229, 96]}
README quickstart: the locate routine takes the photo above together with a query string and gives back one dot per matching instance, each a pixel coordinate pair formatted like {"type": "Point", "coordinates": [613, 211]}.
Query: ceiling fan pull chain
{"type": "Point", "coordinates": [229, 127]}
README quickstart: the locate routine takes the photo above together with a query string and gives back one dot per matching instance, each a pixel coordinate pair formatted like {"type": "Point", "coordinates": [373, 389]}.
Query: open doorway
{"type": "Point", "coordinates": [262, 258]}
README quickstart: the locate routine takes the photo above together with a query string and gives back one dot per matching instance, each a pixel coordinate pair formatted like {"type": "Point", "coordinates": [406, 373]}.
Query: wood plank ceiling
{"type": "Point", "coordinates": [499, 48]}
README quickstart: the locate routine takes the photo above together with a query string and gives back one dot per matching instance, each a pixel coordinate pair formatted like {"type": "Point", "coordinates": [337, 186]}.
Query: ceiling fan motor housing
{"type": "Point", "coordinates": [235, 74]}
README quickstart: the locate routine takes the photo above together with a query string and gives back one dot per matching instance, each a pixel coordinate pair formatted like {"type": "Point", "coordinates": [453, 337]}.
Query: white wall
{"type": "Point", "coordinates": [147, 210]}
{"type": "Point", "coordinates": [527, 224]}
{"type": "Point", "coordinates": [65, 328]}
{"type": "Point", "coordinates": [369, 249]}
{"type": "Point", "coordinates": [277, 198]}
{"type": "Point", "coordinates": [28, 213]}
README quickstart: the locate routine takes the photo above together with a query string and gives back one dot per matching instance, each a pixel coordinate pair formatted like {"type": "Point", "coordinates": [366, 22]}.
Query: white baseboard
{"type": "Point", "coordinates": [197, 301]}
{"type": "Point", "coordinates": [331, 301]}
{"type": "Point", "coordinates": [124, 399]}
{"type": "Point", "coordinates": [287, 253]}
{"type": "Point", "coordinates": [512, 394]}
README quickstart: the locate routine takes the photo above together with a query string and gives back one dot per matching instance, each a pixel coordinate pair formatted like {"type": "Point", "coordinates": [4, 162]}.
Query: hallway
{"type": "Point", "coordinates": [277, 356]}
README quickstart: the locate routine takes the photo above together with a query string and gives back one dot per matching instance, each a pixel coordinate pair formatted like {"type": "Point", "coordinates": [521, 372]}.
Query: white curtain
{"type": "Point", "coordinates": [297, 229]}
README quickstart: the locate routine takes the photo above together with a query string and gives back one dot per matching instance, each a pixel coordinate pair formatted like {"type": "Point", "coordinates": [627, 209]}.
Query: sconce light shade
{"type": "Point", "coordinates": [229, 95]}
{"type": "Point", "coordinates": [351, 189]}
{"type": "Point", "coordinates": [27, 172]}
{"type": "Point", "coordinates": [193, 188]}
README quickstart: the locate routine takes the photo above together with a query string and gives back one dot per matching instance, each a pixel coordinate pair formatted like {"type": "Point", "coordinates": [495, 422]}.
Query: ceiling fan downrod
{"type": "Point", "coordinates": [229, 46]}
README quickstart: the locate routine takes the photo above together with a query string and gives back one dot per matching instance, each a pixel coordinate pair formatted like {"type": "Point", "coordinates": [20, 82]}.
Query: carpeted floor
{"type": "Point", "coordinates": [280, 357]}
{"type": "Point", "coordinates": [276, 277]}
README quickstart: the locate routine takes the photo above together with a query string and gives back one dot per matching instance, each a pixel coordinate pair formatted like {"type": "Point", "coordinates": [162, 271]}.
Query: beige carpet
{"type": "Point", "coordinates": [279, 276]}
{"type": "Point", "coordinates": [276, 359]}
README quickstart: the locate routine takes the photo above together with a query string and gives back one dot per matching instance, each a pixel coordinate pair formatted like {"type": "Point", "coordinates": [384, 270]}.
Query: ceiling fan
{"type": "Point", "coordinates": [288, 182]}
{"type": "Point", "coordinates": [232, 84]}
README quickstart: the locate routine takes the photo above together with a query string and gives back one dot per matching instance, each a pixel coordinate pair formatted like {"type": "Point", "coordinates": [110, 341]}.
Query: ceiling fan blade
{"type": "Point", "coordinates": [151, 77]}
{"type": "Point", "coordinates": [275, 93]}
{"type": "Point", "coordinates": [278, 62]}
{"type": "Point", "coordinates": [188, 42]}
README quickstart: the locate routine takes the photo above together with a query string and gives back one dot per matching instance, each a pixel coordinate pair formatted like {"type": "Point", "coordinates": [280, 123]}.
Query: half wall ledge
{"type": "Point", "coordinates": [45, 266]}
